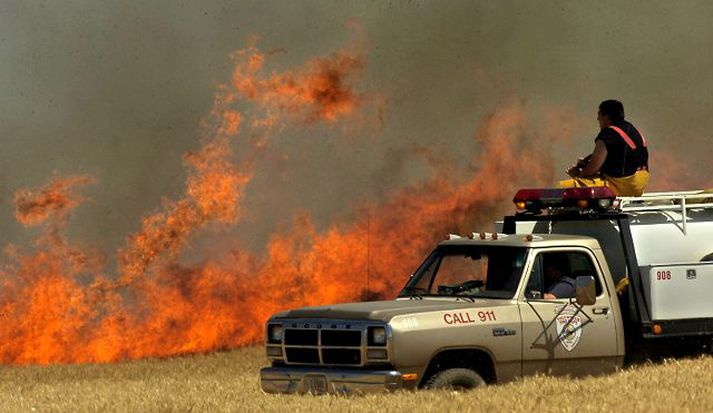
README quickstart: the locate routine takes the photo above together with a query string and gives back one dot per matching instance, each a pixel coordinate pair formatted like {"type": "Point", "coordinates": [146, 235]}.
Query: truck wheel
{"type": "Point", "coordinates": [457, 379]}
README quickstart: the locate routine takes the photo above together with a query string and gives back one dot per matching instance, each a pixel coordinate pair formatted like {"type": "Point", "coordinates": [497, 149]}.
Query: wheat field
{"type": "Point", "coordinates": [227, 382]}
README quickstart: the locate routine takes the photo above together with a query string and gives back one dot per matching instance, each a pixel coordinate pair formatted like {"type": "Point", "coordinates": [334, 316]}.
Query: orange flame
{"type": "Point", "coordinates": [322, 91]}
{"type": "Point", "coordinates": [214, 190]}
{"type": "Point", "coordinates": [56, 198]}
{"type": "Point", "coordinates": [669, 170]}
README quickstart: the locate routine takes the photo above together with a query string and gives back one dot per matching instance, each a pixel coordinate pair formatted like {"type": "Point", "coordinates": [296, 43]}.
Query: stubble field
{"type": "Point", "coordinates": [229, 382]}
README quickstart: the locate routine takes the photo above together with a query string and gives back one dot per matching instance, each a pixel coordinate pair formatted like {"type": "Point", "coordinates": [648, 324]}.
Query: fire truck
{"type": "Point", "coordinates": [576, 282]}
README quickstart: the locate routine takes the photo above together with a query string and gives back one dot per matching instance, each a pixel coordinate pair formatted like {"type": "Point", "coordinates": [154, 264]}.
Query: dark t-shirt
{"type": "Point", "coordinates": [565, 287]}
{"type": "Point", "coordinates": [621, 159]}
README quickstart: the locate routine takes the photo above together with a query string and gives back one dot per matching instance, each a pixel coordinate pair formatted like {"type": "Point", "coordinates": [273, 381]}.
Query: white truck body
{"type": "Point", "coordinates": [679, 291]}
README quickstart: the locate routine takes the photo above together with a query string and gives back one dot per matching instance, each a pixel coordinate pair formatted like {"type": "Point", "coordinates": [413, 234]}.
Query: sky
{"type": "Point", "coordinates": [118, 89]}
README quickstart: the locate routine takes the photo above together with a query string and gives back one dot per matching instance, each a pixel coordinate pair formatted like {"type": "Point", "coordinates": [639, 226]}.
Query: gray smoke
{"type": "Point", "coordinates": [117, 90]}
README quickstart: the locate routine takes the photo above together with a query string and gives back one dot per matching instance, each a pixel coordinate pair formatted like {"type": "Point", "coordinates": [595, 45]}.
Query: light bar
{"type": "Point", "coordinates": [598, 197]}
{"type": "Point", "coordinates": [588, 193]}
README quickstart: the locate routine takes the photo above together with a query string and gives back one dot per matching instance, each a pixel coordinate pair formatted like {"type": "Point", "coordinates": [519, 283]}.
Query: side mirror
{"type": "Point", "coordinates": [585, 292]}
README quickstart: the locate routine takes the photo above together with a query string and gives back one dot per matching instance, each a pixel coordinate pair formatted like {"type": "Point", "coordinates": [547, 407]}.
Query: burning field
{"type": "Point", "coordinates": [62, 302]}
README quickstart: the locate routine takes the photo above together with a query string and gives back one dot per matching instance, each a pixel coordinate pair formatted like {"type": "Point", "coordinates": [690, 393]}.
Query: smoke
{"type": "Point", "coordinates": [118, 92]}
{"type": "Point", "coordinates": [316, 167]}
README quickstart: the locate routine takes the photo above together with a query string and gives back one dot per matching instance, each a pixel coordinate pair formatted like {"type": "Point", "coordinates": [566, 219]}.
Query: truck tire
{"type": "Point", "coordinates": [457, 379]}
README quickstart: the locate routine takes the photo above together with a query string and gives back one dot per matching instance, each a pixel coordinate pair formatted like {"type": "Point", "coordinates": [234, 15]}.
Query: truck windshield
{"type": "Point", "coordinates": [468, 271]}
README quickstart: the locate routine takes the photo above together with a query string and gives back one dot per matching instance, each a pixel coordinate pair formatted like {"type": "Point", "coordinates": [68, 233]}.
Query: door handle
{"type": "Point", "coordinates": [600, 310]}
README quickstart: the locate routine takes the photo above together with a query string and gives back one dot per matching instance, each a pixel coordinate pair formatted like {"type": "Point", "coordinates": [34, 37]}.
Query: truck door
{"type": "Point", "coordinates": [559, 337]}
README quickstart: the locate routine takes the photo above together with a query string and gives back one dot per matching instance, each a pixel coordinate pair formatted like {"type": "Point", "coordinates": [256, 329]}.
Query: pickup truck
{"type": "Point", "coordinates": [479, 309]}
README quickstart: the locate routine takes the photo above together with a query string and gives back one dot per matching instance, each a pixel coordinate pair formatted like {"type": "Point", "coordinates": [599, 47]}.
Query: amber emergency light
{"type": "Point", "coordinates": [534, 200]}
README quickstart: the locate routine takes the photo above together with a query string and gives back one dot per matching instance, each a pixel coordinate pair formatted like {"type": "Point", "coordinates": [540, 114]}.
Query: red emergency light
{"type": "Point", "coordinates": [533, 200]}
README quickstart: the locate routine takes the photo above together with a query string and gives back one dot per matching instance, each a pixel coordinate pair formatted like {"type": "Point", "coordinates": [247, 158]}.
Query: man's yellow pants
{"type": "Point", "coordinates": [632, 185]}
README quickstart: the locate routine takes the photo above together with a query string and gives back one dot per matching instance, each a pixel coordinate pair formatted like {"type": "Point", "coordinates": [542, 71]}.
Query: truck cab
{"type": "Point", "coordinates": [492, 307]}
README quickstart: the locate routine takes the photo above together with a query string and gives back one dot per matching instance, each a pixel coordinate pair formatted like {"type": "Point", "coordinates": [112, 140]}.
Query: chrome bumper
{"type": "Point", "coordinates": [321, 380]}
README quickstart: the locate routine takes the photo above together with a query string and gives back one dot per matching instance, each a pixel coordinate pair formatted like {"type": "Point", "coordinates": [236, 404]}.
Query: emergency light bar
{"type": "Point", "coordinates": [534, 200]}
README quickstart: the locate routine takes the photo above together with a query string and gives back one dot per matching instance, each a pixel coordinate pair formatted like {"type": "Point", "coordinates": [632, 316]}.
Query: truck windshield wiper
{"type": "Point", "coordinates": [464, 297]}
{"type": "Point", "coordinates": [413, 292]}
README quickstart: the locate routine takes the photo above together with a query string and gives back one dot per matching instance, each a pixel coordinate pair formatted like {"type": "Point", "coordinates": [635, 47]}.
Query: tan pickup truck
{"type": "Point", "coordinates": [570, 292]}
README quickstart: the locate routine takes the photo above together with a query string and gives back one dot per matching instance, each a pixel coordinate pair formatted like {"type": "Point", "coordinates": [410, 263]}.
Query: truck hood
{"type": "Point", "coordinates": [386, 310]}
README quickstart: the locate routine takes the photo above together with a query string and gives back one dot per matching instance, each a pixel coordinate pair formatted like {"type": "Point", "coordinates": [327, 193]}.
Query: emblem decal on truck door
{"type": "Point", "coordinates": [502, 332]}
{"type": "Point", "coordinates": [569, 328]}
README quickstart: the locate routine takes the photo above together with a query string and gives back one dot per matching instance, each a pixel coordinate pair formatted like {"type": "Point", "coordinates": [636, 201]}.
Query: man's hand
{"type": "Point", "coordinates": [573, 171]}
{"type": "Point", "coordinates": [582, 162]}
{"type": "Point", "coordinates": [549, 296]}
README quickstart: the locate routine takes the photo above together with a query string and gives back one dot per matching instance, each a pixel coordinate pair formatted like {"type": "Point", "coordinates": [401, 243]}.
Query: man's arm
{"type": "Point", "coordinates": [565, 288]}
{"type": "Point", "coordinates": [596, 160]}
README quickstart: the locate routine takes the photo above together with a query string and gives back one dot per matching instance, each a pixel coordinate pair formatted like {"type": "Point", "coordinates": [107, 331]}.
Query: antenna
{"type": "Point", "coordinates": [368, 252]}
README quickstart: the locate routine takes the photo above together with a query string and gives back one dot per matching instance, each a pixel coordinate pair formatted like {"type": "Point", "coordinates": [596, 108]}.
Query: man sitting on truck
{"type": "Point", "coordinates": [558, 282]}
{"type": "Point", "coordinates": [620, 160]}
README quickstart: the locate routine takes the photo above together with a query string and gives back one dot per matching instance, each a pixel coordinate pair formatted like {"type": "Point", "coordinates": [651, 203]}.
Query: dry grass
{"type": "Point", "coordinates": [229, 382]}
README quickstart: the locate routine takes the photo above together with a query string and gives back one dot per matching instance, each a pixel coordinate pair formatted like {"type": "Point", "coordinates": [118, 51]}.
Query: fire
{"type": "Point", "coordinates": [56, 198]}
{"type": "Point", "coordinates": [669, 170]}
{"type": "Point", "coordinates": [214, 189]}
{"type": "Point", "coordinates": [59, 304]}
{"type": "Point", "coordinates": [322, 91]}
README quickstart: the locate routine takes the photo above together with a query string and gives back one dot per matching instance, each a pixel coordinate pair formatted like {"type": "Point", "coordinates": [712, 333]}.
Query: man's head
{"type": "Point", "coordinates": [610, 112]}
{"type": "Point", "coordinates": [556, 266]}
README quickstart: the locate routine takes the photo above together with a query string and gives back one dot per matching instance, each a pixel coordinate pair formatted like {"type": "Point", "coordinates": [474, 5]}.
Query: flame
{"type": "Point", "coordinates": [321, 91]}
{"type": "Point", "coordinates": [214, 190]}
{"type": "Point", "coordinates": [669, 170]}
{"type": "Point", "coordinates": [56, 198]}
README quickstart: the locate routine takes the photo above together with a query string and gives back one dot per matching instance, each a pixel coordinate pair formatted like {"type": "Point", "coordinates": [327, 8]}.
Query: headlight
{"type": "Point", "coordinates": [274, 333]}
{"type": "Point", "coordinates": [377, 336]}
{"type": "Point", "coordinates": [274, 351]}
{"type": "Point", "coordinates": [605, 203]}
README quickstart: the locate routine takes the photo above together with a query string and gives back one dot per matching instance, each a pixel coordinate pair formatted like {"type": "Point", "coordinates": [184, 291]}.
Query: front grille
{"type": "Point", "coordinates": [302, 355]}
{"type": "Point", "coordinates": [309, 343]}
{"type": "Point", "coordinates": [341, 356]}
{"type": "Point", "coordinates": [301, 337]}
{"type": "Point", "coordinates": [341, 338]}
